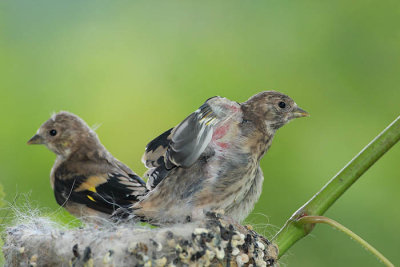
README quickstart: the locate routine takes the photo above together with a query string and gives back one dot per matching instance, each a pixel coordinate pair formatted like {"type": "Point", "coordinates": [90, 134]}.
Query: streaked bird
{"type": "Point", "coordinates": [87, 180]}
{"type": "Point", "coordinates": [211, 160]}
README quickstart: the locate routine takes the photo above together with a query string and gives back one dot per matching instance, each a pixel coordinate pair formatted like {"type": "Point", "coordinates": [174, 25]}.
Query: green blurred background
{"type": "Point", "coordinates": [139, 67]}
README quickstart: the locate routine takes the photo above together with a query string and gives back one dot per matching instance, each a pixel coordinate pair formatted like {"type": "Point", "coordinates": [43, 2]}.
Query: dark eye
{"type": "Point", "coordinates": [282, 104]}
{"type": "Point", "coordinates": [52, 132]}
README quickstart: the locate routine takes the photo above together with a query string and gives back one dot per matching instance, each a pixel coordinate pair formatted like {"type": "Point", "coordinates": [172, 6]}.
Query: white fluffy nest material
{"type": "Point", "coordinates": [215, 241]}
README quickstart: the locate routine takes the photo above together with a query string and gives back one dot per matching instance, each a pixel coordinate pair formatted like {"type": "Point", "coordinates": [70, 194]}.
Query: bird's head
{"type": "Point", "coordinates": [273, 109]}
{"type": "Point", "coordinates": [63, 133]}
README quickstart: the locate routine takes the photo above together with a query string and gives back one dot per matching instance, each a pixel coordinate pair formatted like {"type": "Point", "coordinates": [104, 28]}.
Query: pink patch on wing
{"type": "Point", "coordinates": [222, 145]}
{"type": "Point", "coordinates": [220, 132]}
{"type": "Point", "coordinates": [234, 108]}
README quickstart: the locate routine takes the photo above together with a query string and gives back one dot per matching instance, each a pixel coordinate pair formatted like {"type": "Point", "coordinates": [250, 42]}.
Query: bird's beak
{"type": "Point", "coordinates": [299, 112]}
{"type": "Point", "coordinates": [35, 140]}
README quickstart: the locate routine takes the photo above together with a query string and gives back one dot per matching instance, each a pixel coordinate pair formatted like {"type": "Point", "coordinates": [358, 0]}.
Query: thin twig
{"type": "Point", "coordinates": [338, 226]}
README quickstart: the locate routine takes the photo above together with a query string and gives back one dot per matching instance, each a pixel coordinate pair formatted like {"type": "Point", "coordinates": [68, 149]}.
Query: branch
{"type": "Point", "coordinates": [216, 240]}
{"type": "Point", "coordinates": [291, 232]}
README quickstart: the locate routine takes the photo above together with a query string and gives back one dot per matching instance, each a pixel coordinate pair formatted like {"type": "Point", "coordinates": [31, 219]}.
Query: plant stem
{"type": "Point", "coordinates": [291, 232]}
{"type": "Point", "coordinates": [338, 226]}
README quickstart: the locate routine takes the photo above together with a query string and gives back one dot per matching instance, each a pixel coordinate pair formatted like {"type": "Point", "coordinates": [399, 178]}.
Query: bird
{"type": "Point", "coordinates": [86, 179]}
{"type": "Point", "coordinates": [211, 160]}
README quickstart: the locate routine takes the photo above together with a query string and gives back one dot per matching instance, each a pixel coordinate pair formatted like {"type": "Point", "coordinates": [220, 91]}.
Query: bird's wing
{"type": "Point", "coordinates": [156, 149]}
{"type": "Point", "coordinates": [102, 192]}
{"type": "Point", "coordinates": [180, 146]}
{"type": "Point", "coordinates": [191, 137]}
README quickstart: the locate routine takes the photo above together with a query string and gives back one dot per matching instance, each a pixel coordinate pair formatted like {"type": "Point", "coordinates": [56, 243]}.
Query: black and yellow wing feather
{"type": "Point", "coordinates": [104, 193]}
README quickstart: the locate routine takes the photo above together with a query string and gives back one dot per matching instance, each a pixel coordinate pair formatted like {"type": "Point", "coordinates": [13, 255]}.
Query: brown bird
{"type": "Point", "coordinates": [87, 180]}
{"type": "Point", "coordinates": [211, 160]}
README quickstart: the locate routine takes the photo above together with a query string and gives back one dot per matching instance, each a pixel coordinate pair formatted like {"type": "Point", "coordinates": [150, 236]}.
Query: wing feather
{"type": "Point", "coordinates": [191, 137]}
{"type": "Point", "coordinates": [180, 146]}
{"type": "Point", "coordinates": [104, 193]}
{"type": "Point", "coordinates": [156, 149]}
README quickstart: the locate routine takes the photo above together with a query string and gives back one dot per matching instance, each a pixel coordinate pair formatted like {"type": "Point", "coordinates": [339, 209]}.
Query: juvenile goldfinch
{"type": "Point", "coordinates": [87, 180]}
{"type": "Point", "coordinates": [211, 160]}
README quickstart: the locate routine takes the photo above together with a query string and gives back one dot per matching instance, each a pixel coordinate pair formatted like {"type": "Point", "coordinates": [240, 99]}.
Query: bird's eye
{"type": "Point", "coordinates": [282, 104]}
{"type": "Point", "coordinates": [52, 132]}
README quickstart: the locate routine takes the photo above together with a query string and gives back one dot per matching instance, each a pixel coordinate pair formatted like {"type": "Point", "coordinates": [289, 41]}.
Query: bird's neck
{"type": "Point", "coordinates": [257, 118]}
{"type": "Point", "coordinates": [264, 144]}
{"type": "Point", "coordinates": [88, 149]}
{"type": "Point", "coordinates": [256, 139]}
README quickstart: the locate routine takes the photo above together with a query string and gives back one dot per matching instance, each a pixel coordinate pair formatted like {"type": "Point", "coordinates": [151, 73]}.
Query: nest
{"type": "Point", "coordinates": [214, 241]}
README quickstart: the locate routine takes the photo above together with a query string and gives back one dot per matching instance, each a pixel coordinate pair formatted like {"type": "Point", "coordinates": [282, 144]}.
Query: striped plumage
{"type": "Point", "coordinates": [211, 160]}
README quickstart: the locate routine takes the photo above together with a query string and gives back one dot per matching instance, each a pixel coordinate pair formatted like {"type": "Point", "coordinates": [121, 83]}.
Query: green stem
{"type": "Point", "coordinates": [291, 232]}
{"type": "Point", "coordinates": [335, 224]}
